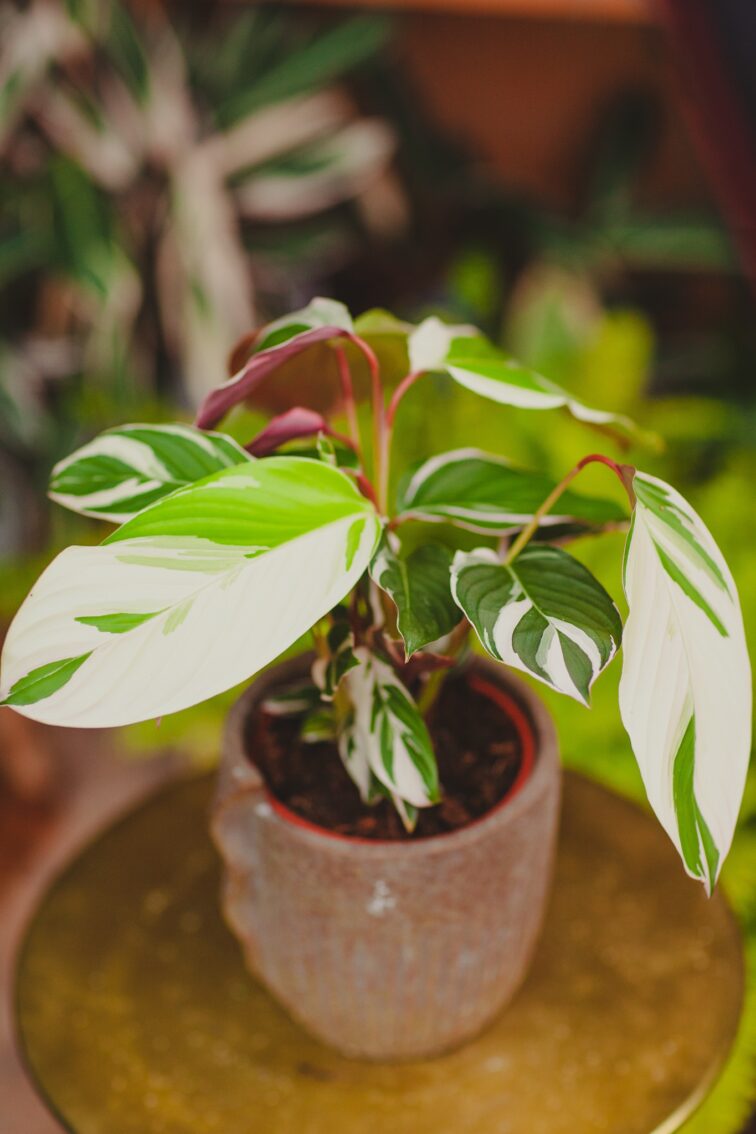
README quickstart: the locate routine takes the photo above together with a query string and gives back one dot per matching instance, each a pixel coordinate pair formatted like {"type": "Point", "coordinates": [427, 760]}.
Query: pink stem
{"type": "Point", "coordinates": [366, 488]}
{"type": "Point", "coordinates": [379, 421]}
{"type": "Point", "coordinates": [625, 474]}
{"type": "Point", "coordinates": [387, 433]}
{"type": "Point", "coordinates": [399, 393]}
{"type": "Point", "coordinates": [347, 392]}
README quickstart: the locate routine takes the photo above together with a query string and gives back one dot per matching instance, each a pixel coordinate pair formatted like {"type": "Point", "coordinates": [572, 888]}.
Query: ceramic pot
{"type": "Point", "coordinates": [390, 950]}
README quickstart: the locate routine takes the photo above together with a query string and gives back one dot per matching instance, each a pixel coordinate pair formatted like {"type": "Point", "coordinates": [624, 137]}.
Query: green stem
{"type": "Point", "coordinates": [433, 686]}
{"type": "Point", "coordinates": [624, 473]}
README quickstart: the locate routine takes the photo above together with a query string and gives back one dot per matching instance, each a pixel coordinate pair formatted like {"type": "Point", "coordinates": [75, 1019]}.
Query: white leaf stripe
{"type": "Point", "coordinates": [235, 621]}
{"type": "Point", "coordinates": [429, 343]}
{"type": "Point", "coordinates": [473, 362]}
{"type": "Point", "coordinates": [387, 735]}
{"type": "Point", "coordinates": [679, 529]}
{"type": "Point", "coordinates": [224, 609]}
{"type": "Point", "coordinates": [126, 469]}
{"type": "Point", "coordinates": [544, 614]}
{"type": "Point", "coordinates": [320, 312]}
{"type": "Point", "coordinates": [486, 494]}
{"type": "Point", "coordinates": [685, 692]}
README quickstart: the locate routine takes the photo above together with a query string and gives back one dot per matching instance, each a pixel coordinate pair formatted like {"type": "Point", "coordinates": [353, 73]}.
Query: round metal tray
{"type": "Point", "coordinates": [136, 1014]}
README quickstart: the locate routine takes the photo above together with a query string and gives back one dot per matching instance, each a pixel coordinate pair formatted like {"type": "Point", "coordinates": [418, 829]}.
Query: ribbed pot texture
{"type": "Point", "coordinates": [387, 950]}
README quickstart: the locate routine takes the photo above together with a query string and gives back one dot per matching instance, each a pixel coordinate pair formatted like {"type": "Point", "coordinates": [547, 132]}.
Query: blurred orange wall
{"type": "Point", "coordinates": [526, 91]}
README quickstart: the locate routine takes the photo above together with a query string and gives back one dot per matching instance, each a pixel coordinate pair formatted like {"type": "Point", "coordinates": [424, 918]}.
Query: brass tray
{"type": "Point", "coordinates": [136, 1015]}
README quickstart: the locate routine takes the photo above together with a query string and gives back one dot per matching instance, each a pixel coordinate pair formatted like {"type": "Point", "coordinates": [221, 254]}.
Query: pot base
{"type": "Point", "coordinates": [136, 1012]}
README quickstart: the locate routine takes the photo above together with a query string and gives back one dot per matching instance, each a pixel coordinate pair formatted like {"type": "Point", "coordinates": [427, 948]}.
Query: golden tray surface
{"type": "Point", "coordinates": [137, 1016]}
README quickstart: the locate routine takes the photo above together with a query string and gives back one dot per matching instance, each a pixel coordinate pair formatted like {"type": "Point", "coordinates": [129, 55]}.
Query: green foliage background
{"type": "Point", "coordinates": [62, 225]}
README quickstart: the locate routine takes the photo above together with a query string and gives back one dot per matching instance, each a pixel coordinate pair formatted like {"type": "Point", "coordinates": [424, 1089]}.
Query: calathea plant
{"type": "Point", "coordinates": [223, 557]}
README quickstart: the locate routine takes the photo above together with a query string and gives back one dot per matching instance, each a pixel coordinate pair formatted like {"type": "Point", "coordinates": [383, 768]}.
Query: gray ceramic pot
{"type": "Point", "coordinates": [385, 950]}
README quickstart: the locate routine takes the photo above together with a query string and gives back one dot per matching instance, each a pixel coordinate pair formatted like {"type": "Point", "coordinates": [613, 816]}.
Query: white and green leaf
{"type": "Point", "coordinates": [319, 725]}
{"type": "Point", "coordinates": [419, 586]}
{"type": "Point", "coordinates": [386, 736]}
{"type": "Point", "coordinates": [483, 493]}
{"type": "Point", "coordinates": [544, 614]}
{"type": "Point", "coordinates": [685, 692]}
{"type": "Point", "coordinates": [271, 348]}
{"type": "Point", "coordinates": [190, 597]}
{"type": "Point", "coordinates": [132, 466]}
{"type": "Point", "coordinates": [473, 362]}
{"type": "Point", "coordinates": [319, 312]}
{"type": "Point", "coordinates": [329, 671]}
{"type": "Point", "coordinates": [292, 700]}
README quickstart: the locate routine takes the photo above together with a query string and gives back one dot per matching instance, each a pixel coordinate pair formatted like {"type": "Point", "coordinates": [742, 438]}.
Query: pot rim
{"type": "Point", "coordinates": [527, 737]}
{"type": "Point", "coordinates": [531, 719]}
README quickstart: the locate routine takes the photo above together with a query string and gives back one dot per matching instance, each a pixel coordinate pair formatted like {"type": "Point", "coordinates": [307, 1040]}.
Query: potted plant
{"type": "Point", "coordinates": [387, 805]}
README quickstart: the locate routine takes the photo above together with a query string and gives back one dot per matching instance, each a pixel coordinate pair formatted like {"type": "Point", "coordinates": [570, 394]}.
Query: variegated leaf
{"type": "Point", "coordinates": [685, 693]}
{"type": "Point", "coordinates": [419, 586]}
{"type": "Point", "coordinates": [330, 170]}
{"type": "Point", "coordinates": [476, 364]}
{"type": "Point", "coordinates": [387, 736]}
{"type": "Point", "coordinates": [544, 613]}
{"type": "Point", "coordinates": [483, 493]}
{"type": "Point", "coordinates": [193, 595]}
{"type": "Point", "coordinates": [328, 672]}
{"type": "Point", "coordinates": [319, 725]}
{"type": "Point", "coordinates": [276, 344]}
{"type": "Point", "coordinates": [132, 466]}
{"type": "Point", "coordinates": [293, 700]}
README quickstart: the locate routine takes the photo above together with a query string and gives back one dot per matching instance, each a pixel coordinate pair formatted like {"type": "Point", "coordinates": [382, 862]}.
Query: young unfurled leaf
{"type": "Point", "coordinates": [420, 587]}
{"type": "Point", "coordinates": [319, 725]}
{"type": "Point", "coordinates": [292, 700]}
{"type": "Point", "coordinates": [544, 614]}
{"type": "Point", "coordinates": [132, 466]}
{"type": "Point", "coordinates": [321, 320]}
{"type": "Point", "coordinates": [328, 672]}
{"type": "Point", "coordinates": [685, 693]}
{"type": "Point", "coordinates": [387, 736]}
{"type": "Point", "coordinates": [486, 494]}
{"type": "Point", "coordinates": [330, 451]}
{"type": "Point", "coordinates": [473, 362]}
{"type": "Point", "coordinates": [233, 569]}
{"type": "Point", "coordinates": [326, 450]}
{"type": "Point", "coordinates": [290, 426]}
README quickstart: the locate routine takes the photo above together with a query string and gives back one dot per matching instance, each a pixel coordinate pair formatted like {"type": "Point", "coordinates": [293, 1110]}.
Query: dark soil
{"type": "Point", "coordinates": [478, 749]}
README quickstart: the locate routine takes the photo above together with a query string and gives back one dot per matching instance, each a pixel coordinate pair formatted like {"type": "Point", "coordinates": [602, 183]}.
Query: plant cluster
{"type": "Point", "coordinates": [157, 197]}
{"type": "Point", "coordinates": [225, 556]}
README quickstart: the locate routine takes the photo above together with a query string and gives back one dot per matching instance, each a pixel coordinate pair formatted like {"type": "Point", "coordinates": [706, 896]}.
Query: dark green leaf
{"type": "Point", "coordinates": [419, 586]}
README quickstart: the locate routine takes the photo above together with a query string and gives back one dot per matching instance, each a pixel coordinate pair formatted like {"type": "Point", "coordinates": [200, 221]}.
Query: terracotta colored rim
{"type": "Point", "coordinates": [525, 731]}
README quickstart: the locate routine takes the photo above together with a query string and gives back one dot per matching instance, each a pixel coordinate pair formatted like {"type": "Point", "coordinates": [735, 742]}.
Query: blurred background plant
{"type": "Point", "coordinates": [172, 176]}
{"type": "Point", "coordinates": [158, 199]}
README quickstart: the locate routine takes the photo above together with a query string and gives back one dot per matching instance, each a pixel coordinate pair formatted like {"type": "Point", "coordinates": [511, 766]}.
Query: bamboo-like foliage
{"type": "Point", "coordinates": [161, 182]}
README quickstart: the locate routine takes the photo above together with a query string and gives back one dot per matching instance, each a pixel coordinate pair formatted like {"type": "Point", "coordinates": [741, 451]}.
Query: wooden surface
{"type": "Point", "coordinates": [138, 1016]}
{"type": "Point", "coordinates": [57, 789]}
